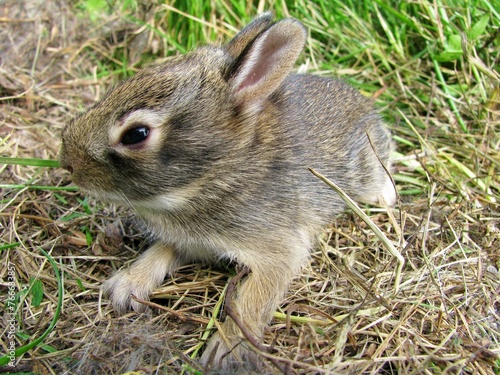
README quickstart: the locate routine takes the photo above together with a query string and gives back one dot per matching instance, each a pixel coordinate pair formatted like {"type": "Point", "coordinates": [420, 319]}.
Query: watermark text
{"type": "Point", "coordinates": [10, 311]}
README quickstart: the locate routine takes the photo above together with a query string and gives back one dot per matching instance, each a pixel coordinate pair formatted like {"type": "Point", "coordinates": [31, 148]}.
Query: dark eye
{"type": "Point", "coordinates": [135, 135]}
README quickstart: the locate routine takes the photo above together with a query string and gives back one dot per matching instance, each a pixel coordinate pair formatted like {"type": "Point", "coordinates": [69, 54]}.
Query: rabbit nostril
{"type": "Point", "coordinates": [69, 168]}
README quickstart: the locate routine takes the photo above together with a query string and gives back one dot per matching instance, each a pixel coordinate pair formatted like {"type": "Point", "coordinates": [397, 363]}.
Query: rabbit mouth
{"type": "Point", "coordinates": [105, 196]}
{"type": "Point", "coordinates": [175, 200]}
{"type": "Point", "coordinates": [99, 189]}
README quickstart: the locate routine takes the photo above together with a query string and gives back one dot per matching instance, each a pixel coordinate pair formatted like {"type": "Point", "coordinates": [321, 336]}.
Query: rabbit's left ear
{"type": "Point", "coordinates": [243, 39]}
{"type": "Point", "coordinates": [266, 61]}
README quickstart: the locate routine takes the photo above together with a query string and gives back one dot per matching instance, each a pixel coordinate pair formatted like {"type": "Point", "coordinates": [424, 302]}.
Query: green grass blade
{"type": "Point", "coordinates": [9, 246]}
{"type": "Point", "coordinates": [30, 162]}
{"type": "Point", "coordinates": [449, 97]}
{"type": "Point", "coordinates": [39, 187]}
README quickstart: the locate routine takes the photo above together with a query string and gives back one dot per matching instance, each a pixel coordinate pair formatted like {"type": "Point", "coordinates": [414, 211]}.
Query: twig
{"type": "Point", "coordinates": [388, 245]}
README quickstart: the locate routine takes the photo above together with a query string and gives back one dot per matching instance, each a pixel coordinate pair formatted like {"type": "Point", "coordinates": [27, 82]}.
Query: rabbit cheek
{"type": "Point", "coordinates": [181, 169]}
{"type": "Point", "coordinates": [130, 176]}
{"type": "Point", "coordinates": [183, 161]}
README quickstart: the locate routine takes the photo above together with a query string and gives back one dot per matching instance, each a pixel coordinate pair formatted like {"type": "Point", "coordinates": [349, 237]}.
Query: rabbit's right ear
{"type": "Point", "coordinates": [266, 60]}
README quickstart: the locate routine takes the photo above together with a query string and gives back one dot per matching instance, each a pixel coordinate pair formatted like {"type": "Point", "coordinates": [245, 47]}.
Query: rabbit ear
{"type": "Point", "coordinates": [266, 61]}
{"type": "Point", "coordinates": [238, 44]}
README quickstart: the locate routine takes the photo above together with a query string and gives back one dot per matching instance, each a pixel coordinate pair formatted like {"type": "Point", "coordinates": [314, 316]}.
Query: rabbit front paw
{"type": "Point", "coordinates": [123, 285]}
{"type": "Point", "coordinates": [141, 278]}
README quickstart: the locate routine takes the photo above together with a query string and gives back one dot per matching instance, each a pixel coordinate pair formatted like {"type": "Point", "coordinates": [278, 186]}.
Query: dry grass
{"type": "Point", "coordinates": [342, 315]}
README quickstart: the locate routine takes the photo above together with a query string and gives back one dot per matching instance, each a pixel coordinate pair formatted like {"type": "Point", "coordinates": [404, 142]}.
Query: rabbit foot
{"type": "Point", "coordinates": [123, 285]}
{"type": "Point", "coordinates": [140, 279]}
{"type": "Point", "coordinates": [235, 357]}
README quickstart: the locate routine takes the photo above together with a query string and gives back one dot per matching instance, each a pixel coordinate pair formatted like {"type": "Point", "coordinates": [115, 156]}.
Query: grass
{"type": "Point", "coordinates": [36, 290]}
{"type": "Point", "coordinates": [433, 69]}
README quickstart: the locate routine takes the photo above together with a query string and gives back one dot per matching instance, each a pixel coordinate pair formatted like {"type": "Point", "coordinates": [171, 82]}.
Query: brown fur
{"type": "Point", "coordinates": [223, 173]}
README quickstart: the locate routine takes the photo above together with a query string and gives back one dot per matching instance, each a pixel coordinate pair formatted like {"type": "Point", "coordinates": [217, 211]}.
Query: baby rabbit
{"type": "Point", "coordinates": [212, 150]}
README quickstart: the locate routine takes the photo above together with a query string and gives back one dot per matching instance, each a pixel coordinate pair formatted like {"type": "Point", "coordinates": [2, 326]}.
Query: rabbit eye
{"type": "Point", "coordinates": [135, 135]}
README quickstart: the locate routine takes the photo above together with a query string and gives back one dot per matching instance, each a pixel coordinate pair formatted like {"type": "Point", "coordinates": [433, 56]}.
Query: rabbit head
{"type": "Point", "coordinates": [162, 129]}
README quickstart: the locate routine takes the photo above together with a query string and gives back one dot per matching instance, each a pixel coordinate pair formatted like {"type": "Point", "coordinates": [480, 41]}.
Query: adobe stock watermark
{"type": "Point", "coordinates": [10, 311]}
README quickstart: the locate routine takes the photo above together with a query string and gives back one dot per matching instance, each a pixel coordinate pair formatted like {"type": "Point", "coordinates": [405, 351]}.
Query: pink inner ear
{"type": "Point", "coordinates": [261, 61]}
